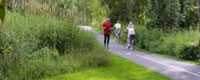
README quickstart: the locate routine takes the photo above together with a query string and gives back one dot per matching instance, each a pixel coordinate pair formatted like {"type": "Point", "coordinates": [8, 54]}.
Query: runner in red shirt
{"type": "Point", "coordinates": [107, 31]}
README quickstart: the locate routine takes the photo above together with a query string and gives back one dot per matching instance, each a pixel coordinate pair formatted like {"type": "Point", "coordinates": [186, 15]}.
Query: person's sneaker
{"type": "Point", "coordinates": [126, 47]}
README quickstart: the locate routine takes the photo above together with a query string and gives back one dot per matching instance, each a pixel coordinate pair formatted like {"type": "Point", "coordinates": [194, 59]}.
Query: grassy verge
{"type": "Point", "coordinates": [118, 69]}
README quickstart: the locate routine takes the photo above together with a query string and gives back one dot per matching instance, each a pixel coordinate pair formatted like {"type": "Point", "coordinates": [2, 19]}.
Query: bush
{"type": "Point", "coordinates": [190, 53]}
{"type": "Point", "coordinates": [148, 38]}
{"type": "Point", "coordinates": [67, 39]}
{"type": "Point", "coordinates": [35, 46]}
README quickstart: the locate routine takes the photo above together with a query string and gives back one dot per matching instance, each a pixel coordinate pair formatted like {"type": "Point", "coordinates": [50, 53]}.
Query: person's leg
{"type": "Point", "coordinates": [108, 40]}
{"type": "Point", "coordinates": [117, 35]}
{"type": "Point", "coordinates": [105, 39]}
{"type": "Point", "coordinates": [128, 41]}
{"type": "Point", "coordinates": [118, 38]}
{"type": "Point", "coordinates": [131, 42]}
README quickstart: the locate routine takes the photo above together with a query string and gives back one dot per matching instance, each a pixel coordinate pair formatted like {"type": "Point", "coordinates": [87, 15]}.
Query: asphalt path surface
{"type": "Point", "coordinates": [177, 70]}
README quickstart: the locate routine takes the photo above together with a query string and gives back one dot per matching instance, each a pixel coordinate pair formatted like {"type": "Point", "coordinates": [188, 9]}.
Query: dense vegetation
{"type": "Point", "coordinates": [163, 26]}
{"type": "Point", "coordinates": [38, 41]}
{"type": "Point", "coordinates": [37, 46]}
{"type": "Point", "coordinates": [162, 14]}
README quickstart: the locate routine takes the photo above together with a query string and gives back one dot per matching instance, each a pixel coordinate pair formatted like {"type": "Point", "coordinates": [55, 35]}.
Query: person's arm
{"type": "Point", "coordinates": [103, 26]}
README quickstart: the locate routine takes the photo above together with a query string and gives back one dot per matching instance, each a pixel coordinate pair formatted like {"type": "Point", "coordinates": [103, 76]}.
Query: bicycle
{"type": "Point", "coordinates": [131, 42]}
{"type": "Point", "coordinates": [117, 35]}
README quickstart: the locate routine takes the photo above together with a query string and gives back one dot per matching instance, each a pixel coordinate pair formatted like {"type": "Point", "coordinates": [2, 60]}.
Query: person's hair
{"type": "Point", "coordinates": [130, 23]}
{"type": "Point", "coordinates": [108, 19]}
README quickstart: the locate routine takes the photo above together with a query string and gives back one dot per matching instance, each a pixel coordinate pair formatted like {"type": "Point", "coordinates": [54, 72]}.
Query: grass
{"type": "Point", "coordinates": [37, 46]}
{"type": "Point", "coordinates": [118, 69]}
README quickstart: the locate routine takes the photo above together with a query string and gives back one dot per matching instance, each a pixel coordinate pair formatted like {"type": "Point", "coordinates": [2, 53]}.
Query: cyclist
{"type": "Point", "coordinates": [117, 31]}
{"type": "Point", "coordinates": [130, 35]}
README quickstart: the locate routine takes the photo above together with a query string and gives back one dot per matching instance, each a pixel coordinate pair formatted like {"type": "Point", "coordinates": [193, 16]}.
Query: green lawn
{"type": "Point", "coordinates": [118, 69]}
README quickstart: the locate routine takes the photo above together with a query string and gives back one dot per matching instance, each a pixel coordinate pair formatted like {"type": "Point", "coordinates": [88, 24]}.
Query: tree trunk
{"type": "Point", "coordinates": [182, 3]}
{"type": "Point", "coordinates": [24, 6]}
{"type": "Point", "coordinates": [107, 6]}
{"type": "Point", "coordinates": [2, 9]}
{"type": "Point", "coordinates": [182, 10]}
{"type": "Point", "coordinates": [199, 7]}
{"type": "Point", "coordinates": [85, 16]}
{"type": "Point", "coordinates": [85, 13]}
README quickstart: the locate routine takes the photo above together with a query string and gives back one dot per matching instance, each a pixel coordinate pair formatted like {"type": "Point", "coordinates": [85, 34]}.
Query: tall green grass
{"type": "Point", "coordinates": [36, 46]}
{"type": "Point", "coordinates": [118, 69]}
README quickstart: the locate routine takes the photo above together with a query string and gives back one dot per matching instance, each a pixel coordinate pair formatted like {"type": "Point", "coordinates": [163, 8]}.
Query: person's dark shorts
{"type": "Point", "coordinates": [132, 36]}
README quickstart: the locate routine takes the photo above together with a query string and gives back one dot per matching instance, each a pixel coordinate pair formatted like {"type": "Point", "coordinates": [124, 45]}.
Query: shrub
{"type": "Point", "coordinates": [67, 38]}
{"type": "Point", "coordinates": [148, 38]}
{"type": "Point", "coordinates": [190, 53]}
{"type": "Point", "coordinates": [31, 47]}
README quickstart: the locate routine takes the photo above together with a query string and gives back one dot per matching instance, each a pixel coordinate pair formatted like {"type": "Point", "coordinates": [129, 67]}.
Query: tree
{"type": "Point", "coordinates": [199, 7]}
{"type": "Point", "coordinates": [2, 9]}
{"type": "Point", "coordinates": [191, 13]}
{"type": "Point", "coordinates": [85, 12]}
{"type": "Point", "coordinates": [165, 14]}
{"type": "Point", "coordinates": [128, 10]}
{"type": "Point", "coordinates": [106, 6]}
{"type": "Point", "coordinates": [10, 4]}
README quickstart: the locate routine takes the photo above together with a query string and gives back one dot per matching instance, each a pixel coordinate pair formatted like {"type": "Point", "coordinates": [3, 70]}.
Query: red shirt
{"type": "Point", "coordinates": [107, 28]}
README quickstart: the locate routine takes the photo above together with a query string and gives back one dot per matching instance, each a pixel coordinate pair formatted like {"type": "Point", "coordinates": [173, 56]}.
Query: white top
{"type": "Point", "coordinates": [131, 31]}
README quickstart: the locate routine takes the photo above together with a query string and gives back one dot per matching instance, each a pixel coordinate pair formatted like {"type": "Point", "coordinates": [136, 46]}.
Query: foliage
{"type": "Point", "coordinates": [29, 48]}
{"type": "Point", "coordinates": [164, 14]}
{"type": "Point", "coordinates": [58, 38]}
{"type": "Point", "coordinates": [97, 13]}
{"type": "Point", "coordinates": [170, 14]}
{"type": "Point", "coordinates": [2, 9]}
{"type": "Point", "coordinates": [128, 70]}
{"type": "Point", "coordinates": [129, 10]}
{"type": "Point", "coordinates": [190, 53]}
{"type": "Point", "coordinates": [171, 43]}
{"type": "Point", "coordinates": [191, 15]}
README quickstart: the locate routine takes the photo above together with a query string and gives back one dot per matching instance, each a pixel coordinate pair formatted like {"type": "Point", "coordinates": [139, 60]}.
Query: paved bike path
{"type": "Point", "coordinates": [174, 69]}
